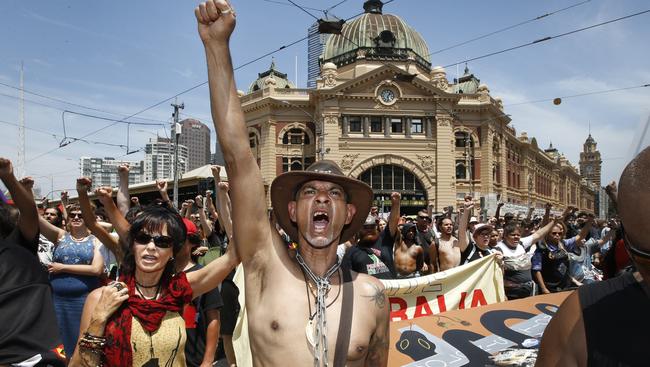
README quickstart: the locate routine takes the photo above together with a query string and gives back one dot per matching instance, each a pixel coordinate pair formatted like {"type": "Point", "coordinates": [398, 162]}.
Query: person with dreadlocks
{"type": "Point", "coordinates": [304, 310]}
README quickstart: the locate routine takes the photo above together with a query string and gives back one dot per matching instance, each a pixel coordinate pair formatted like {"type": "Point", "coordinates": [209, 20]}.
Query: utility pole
{"type": "Point", "coordinates": [176, 130]}
{"type": "Point", "coordinates": [20, 169]}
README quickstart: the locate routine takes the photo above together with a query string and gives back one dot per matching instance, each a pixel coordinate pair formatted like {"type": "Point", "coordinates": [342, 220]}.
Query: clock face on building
{"type": "Point", "coordinates": [589, 170]}
{"type": "Point", "coordinates": [387, 96]}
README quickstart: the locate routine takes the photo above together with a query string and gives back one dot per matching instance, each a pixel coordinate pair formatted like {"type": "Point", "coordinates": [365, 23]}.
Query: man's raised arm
{"type": "Point", "coordinates": [216, 22]}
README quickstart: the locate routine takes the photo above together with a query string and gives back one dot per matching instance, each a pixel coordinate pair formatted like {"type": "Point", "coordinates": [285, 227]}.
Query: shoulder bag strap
{"type": "Point", "coordinates": [345, 323]}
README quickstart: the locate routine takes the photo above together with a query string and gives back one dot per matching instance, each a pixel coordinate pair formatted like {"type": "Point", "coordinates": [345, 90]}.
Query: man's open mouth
{"type": "Point", "coordinates": [320, 220]}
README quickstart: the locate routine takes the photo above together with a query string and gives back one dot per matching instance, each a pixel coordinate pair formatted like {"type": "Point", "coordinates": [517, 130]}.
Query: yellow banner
{"type": "Point", "coordinates": [475, 284]}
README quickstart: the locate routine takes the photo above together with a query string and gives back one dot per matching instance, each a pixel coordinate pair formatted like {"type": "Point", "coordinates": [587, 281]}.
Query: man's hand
{"type": "Point", "coordinates": [500, 204]}
{"type": "Point", "coordinates": [198, 201]}
{"type": "Point", "coordinates": [161, 185]}
{"type": "Point", "coordinates": [216, 171]}
{"type": "Point", "coordinates": [104, 193]}
{"type": "Point", "coordinates": [223, 186]}
{"type": "Point", "coordinates": [395, 198]}
{"type": "Point", "coordinates": [135, 201]}
{"type": "Point", "coordinates": [123, 170]}
{"type": "Point", "coordinates": [186, 204]}
{"type": "Point", "coordinates": [208, 193]}
{"type": "Point", "coordinates": [548, 207]}
{"type": "Point", "coordinates": [84, 184]}
{"type": "Point", "coordinates": [64, 197]}
{"type": "Point", "coordinates": [216, 21]}
{"type": "Point", "coordinates": [6, 169]}
{"type": "Point", "coordinates": [27, 182]}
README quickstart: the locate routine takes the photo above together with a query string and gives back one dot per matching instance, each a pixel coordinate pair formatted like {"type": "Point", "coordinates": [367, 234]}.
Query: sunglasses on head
{"type": "Point", "coordinates": [160, 241]}
{"type": "Point", "coordinates": [633, 249]}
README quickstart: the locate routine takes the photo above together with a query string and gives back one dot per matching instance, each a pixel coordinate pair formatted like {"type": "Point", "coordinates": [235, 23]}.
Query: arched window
{"type": "Point", "coordinates": [463, 139]}
{"type": "Point", "coordinates": [296, 136]}
{"type": "Point", "coordinates": [387, 178]}
{"type": "Point", "coordinates": [461, 170]}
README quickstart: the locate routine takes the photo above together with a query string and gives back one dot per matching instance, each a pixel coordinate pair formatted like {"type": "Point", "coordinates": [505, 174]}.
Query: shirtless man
{"type": "Point", "coordinates": [607, 323]}
{"type": "Point", "coordinates": [409, 256]}
{"type": "Point", "coordinates": [288, 300]}
{"type": "Point", "coordinates": [447, 254]}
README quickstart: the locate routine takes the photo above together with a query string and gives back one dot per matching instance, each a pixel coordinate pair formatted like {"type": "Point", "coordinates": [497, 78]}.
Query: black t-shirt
{"type": "Point", "coordinates": [385, 244]}
{"type": "Point", "coordinates": [195, 322]}
{"type": "Point", "coordinates": [369, 261]}
{"type": "Point", "coordinates": [28, 322]}
{"type": "Point", "coordinates": [473, 253]}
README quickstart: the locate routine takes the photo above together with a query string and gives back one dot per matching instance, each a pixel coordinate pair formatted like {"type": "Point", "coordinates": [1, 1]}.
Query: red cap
{"type": "Point", "coordinates": [190, 227]}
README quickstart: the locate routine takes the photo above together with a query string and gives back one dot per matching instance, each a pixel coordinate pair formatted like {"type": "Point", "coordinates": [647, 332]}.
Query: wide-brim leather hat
{"type": "Point", "coordinates": [286, 185]}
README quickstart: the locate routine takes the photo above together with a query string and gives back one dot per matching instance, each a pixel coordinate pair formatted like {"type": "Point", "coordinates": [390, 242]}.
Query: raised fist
{"type": "Point", "coordinates": [216, 171]}
{"type": "Point", "coordinates": [135, 201]}
{"type": "Point", "coordinates": [161, 185]}
{"type": "Point", "coordinates": [216, 21]}
{"type": "Point", "coordinates": [611, 188]}
{"type": "Point", "coordinates": [6, 169]}
{"type": "Point", "coordinates": [500, 204]}
{"type": "Point", "coordinates": [83, 184]}
{"type": "Point", "coordinates": [395, 197]}
{"type": "Point", "coordinates": [123, 169]}
{"type": "Point", "coordinates": [186, 204]}
{"type": "Point", "coordinates": [198, 201]}
{"type": "Point", "coordinates": [548, 206]}
{"type": "Point", "coordinates": [104, 193]}
{"type": "Point", "coordinates": [27, 182]}
{"type": "Point", "coordinates": [223, 186]}
{"type": "Point", "coordinates": [208, 193]}
{"type": "Point", "coordinates": [64, 196]}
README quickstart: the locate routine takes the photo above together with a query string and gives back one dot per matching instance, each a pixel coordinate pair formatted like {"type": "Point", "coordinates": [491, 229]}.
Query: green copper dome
{"type": "Point", "coordinates": [271, 77]}
{"type": "Point", "coordinates": [377, 36]}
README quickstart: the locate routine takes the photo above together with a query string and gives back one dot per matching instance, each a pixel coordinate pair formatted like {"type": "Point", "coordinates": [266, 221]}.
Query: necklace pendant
{"type": "Point", "coordinates": [310, 332]}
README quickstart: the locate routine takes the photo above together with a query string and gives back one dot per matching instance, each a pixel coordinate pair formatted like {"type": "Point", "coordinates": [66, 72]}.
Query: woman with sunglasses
{"type": "Point", "coordinates": [74, 272]}
{"type": "Point", "coordinates": [138, 320]}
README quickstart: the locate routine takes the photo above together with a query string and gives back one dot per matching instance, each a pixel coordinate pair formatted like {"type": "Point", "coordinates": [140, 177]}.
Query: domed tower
{"type": "Point", "coordinates": [590, 162]}
{"type": "Point", "coordinates": [271, 77]}
{"type": "Point", "coordinates": [375, 36]}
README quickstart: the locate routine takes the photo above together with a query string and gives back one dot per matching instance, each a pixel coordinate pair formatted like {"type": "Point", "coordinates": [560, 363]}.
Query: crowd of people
{"type": "Point", "coordinates": [120, 282]}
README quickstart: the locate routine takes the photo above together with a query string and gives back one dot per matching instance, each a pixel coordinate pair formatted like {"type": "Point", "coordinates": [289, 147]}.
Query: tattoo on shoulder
{"type": "Point", "coordinates": [378, 296]}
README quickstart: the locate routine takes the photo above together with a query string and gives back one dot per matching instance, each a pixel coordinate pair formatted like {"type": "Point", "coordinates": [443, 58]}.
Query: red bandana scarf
{"type": "Point", "coordinates": [175, 294]}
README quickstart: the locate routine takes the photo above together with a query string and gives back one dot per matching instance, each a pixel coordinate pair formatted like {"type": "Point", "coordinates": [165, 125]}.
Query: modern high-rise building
{"type": "Point", "coordinates": [195, 135]}
{"type": "Point", "coordinates": [103, 171]}
{"type": "Point", "coordinates": [159, 159]}
{"type": "Point", "coordinates": [315, 46]}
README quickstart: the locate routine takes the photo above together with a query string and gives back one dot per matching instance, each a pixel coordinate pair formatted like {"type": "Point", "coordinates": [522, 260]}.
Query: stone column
{"type": "Point", "coordinates": [267, 155]}
{"type": "Point", "coordinates": [365, 120]}
{"type": "Point", "coordinates": [487, 179]}
{"type": "Point", "coordinates": [428, 128]}
{"type": "Point", "coordinates": [346, 126]}
{"type": "Point", "coordinates": [387, 126]}
{"type": "Point", "coordinates": [406, 122]}
{"type": "Point", "coordinates": [445, 167]}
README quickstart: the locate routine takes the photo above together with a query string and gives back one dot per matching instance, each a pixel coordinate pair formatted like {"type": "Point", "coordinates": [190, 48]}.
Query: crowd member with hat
{"type": "Point", "coordinates": [302, 310]}
{"type": "Point", "coordinates": [28, 335]}
{"type": "Point", "coordinates": [606, 323]}
{"type": "Point", "coordinates": [479, 246]}
{"type": "Point", "coordinates": [363, 257]}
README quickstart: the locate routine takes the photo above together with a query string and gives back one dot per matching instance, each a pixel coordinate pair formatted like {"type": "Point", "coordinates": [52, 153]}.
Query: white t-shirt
{"type": "Point", "coordinates": [527, 246]}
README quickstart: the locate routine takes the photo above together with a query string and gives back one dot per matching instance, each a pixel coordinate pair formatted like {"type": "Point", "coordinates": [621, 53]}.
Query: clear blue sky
{"type": "Point", "coordinates": [123, 56]}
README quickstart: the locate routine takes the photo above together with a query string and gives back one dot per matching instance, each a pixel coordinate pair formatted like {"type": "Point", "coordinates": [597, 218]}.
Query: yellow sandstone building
{"type": "Point", "coordinates": [386, 116]}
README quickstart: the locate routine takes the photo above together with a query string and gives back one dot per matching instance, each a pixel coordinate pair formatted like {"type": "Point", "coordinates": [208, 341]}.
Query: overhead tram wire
{"type": "Point", "coordinates": [548, 38]}
{"type": "Point", "coordinates": [508, 28]}
{"type": "Point", "coordinates": [579, 95]}
{"type": "Point", "coordinates": [67, 102]}
{"type": "Point", "coordinates": [195, 87]}
{"type": "Point", "coordinates": [286, 4]}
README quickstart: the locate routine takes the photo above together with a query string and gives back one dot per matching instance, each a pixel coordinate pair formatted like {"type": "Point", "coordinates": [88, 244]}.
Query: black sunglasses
{"type": "Point", "coordinates": [428, 219]}
{"type": "Point", "coordinates": [75, 215]}
{"type": "Point", "coordinates": [160, 241]}
{"type": "Point", "coordinates": [632, 249]}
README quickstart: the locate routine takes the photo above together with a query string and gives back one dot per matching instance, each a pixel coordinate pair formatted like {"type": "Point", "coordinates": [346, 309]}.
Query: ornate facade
{"type": "Point", "coordinates": [385, 116]}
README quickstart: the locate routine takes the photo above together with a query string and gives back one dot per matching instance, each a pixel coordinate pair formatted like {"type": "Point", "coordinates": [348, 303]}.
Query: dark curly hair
{"type": "Point", "coordinates": [154, 219]}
